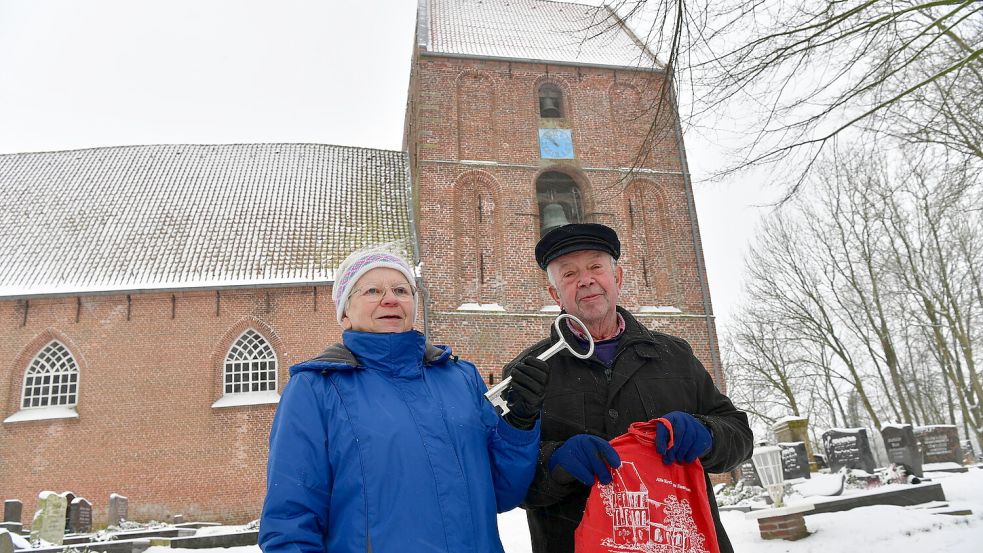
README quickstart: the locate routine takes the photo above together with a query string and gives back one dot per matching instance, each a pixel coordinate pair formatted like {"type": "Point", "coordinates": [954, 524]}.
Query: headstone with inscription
{"type": "Point", "coordinates": [902, 449]}
{"type": "Point", "coordinates": [795, 460]}
{"type": "Point", "coordinates": [6, 542]}
{"type": "Point", "coordinates": [795, 429]}
{"type": "Point", "coordinates": [117, 508]}
{"type": "Point", "coordinates": [749, 475]}
{"type": "Point", "coordinates": [12, 509]}
{"type": "Point", "coordinates": [939, 444]}
{"type": "Point", "coordinates": [80, 516]}
{"type": "Point", "coordinates": [848, 447]}
{"type": "Point", "coordinates": [49, 520]}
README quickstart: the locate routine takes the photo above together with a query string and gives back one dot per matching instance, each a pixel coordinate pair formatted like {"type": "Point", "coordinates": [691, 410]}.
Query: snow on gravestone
{"type": "Point", "coordinates": [117, 508]}
{"type": "Point", "coordinates": [902, 449]}
{"type": "Point", "coordinates": [6, 542]}
{"type": "Point", "coordinates": [49, 519]}
{"type": "Point", "coordinates": [749, 475]}
{"type": "Point", "coordinates": [80, 516]}
{"type": "Point", "coordinates": [939, 443]}
{"type": "Point", "coordinates": [795, 460]}
{"type": "Point", "coordinates": [848, 447]}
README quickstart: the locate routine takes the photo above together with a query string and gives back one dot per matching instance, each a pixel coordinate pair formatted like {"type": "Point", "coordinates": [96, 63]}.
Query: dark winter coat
{"type": "Point", "coordinates": [386, 443]}
{"type": "Point", "coordinates": [651, 375]}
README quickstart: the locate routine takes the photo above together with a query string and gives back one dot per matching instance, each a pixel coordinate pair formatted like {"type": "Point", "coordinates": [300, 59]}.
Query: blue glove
{"type": "Point", "coordinates": [585, 456]}
{"type": "Point", "coordinates": [690, 438]}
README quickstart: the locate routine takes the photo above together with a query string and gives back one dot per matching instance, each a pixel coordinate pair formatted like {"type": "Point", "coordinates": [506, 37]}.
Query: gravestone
{"type": "Point", "coordinates": [902, 449]}
{"type": "Point", "coordinates": [117, 509]}
{"type": "Point", "coordinates": [969, 456]}
{"type": "Point", "coordinates": [848, 447]}
{"type": "Point", "coordinates": [6, 542]}
{"type": "Point", "coordinates": [795, 460]}
{"type": "Point", "coordinates": [69, 497]}
{"type": "Point", "coordinates": [939, 444]}
{"type": "Point", "coordinates": [819, 460]}
{"type": "Point", "coordinates": [749, 475]}
{"type": "Point", "coordinates": [12, 509]}
{"type": "Point", "coordinates": [80, 516]}
{"type": "Point", "coordinates": [49, 520]}
{"type": "Point", "coordinates": [795, 429]}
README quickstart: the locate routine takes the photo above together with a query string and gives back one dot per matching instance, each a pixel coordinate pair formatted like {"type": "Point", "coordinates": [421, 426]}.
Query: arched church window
{"type": "Point", "coordinates": [550, 102]}
{"type": "Point", "coordinates": [250, 365]}
{"type": "Point", "coordinates": [559, 201]}
{"type": "Point", "coordinates": [51, 379]}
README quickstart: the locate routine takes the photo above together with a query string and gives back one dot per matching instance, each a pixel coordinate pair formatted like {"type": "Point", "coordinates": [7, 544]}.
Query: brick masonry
{"type": "Point", "coordinates": [472, 133]}
{"type": "Point", "coordinates": [151, 363]}
{"type": "Point", "coordinates": [148, 378]}
{"type": "Point", "coordinates": [786, 527]}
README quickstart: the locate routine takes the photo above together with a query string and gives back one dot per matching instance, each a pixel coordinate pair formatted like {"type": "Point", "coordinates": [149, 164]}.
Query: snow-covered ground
{"type": "Point", "coordinates": [879, 529]}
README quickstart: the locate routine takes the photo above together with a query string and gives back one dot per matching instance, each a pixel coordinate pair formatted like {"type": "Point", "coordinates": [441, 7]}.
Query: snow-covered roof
{"type": "Point", "coordinates": [135, 218]}
{"type": "Point", "coordinates": [541, 30]}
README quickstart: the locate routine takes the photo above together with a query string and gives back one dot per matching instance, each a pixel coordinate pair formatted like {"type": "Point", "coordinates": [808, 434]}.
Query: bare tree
{"type": "Point", "coordinates": [787, 277]}
{"type": "Point", "coordinates": [871, 278]}
{"type": "Point", "coordinates": [805, 72]}
{"type": "Point", "coordinates": [932, 218]}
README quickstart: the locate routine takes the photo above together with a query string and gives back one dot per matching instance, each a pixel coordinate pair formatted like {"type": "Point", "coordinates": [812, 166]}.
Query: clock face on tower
{"type": "Point", "coordinates": [555, 144]}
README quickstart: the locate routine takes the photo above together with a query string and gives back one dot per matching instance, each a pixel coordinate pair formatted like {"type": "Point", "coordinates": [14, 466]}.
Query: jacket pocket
{"type": "Point", "coordinates": [659, 396]}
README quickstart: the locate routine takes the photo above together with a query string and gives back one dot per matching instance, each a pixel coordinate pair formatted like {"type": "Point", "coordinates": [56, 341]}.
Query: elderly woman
{"type": "Point", "coordinates": [385, 442]}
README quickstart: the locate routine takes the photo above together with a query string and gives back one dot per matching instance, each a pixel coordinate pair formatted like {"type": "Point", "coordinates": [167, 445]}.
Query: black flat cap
{"type": "Point", "coordinates": [574, 238]}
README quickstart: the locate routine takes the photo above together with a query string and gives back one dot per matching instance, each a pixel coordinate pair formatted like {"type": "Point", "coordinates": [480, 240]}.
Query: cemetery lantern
{"type": "Point", "coordinates": [768, 462]}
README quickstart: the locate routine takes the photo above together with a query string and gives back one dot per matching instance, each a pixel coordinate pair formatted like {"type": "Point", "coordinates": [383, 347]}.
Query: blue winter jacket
{"type": "Point", "coordinates": [386, 444]}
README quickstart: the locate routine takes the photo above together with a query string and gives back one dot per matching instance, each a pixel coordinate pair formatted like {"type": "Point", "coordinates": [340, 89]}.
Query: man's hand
{"type": "Point", "coordinates": [690, 438]}
{"type": "Point", "coordinates": [585, 457]}
{"type": "Point", "coordinates": [526, 393]}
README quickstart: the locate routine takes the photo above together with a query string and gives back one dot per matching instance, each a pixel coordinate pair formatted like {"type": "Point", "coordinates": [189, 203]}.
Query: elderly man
{"type": "Point", "coordinates": [635, 374]}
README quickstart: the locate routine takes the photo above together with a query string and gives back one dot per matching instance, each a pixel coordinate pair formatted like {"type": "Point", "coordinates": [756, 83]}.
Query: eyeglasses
{"type": "Point", "coordinates": [374, 293]}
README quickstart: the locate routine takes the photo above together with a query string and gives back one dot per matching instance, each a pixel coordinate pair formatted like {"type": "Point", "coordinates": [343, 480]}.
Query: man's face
{"type": "Point", "coordinates": [586, 285]}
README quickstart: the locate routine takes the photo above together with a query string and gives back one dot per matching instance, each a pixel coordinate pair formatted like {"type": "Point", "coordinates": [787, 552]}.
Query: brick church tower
{"type": "Point", "coordinates": [515, 122]}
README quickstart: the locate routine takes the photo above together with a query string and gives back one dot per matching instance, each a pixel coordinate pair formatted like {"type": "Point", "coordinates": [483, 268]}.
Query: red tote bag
{"type": "Point", "coordinates": [648, 507]}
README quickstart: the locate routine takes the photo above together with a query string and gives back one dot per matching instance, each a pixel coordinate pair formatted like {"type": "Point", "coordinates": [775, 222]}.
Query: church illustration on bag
{"type": "Point", "coordinates": [641, 523]}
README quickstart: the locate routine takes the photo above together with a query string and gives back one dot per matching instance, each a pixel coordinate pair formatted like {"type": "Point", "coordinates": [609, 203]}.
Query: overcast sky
{"type": "Point", "coordinates": [77, 74]}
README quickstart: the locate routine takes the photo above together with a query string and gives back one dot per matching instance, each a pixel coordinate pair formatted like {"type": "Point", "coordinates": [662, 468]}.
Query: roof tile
{"type": "Point", "coordinates": [176, 216]}
{"type": "Point", "coordinates": [534, 30]}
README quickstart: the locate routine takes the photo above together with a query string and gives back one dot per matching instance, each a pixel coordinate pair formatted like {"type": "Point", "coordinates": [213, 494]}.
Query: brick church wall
{"type": "Point", "coordinates": [478, 213]}
{"type": "Point", "coordinates": [149, 371]}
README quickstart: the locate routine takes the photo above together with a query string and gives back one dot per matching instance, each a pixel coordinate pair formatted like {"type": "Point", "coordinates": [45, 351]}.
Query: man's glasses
{"type": "Point", "coordinates": [375, 293]}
